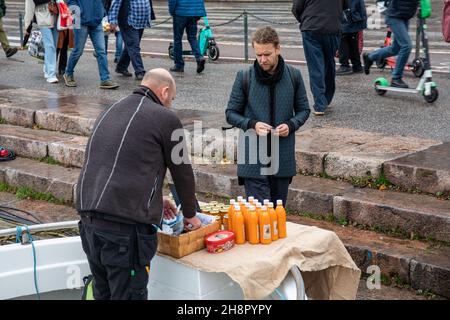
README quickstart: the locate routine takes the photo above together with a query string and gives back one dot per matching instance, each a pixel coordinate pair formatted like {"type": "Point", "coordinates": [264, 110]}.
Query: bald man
{"type": "Point", "coordinates": [119, 191]}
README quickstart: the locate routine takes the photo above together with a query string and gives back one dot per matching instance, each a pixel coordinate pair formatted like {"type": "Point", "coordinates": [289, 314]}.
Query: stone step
{"type": "Point", "coordinates": [344, 152]}
{"type": "Point", "coordinates": [422, 215]}
{"type": "Point", "coordinates": [428, 170]}
{"type": "Point", "coordinates": [418, 264]}
{"type": "Point", "coordinates": [34, 143]}
{"type": "Point", "coordinates": [41, 177]}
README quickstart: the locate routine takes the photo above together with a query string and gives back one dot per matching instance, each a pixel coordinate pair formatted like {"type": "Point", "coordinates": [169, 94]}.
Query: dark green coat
{"type": "Point", "coordinates": [2, 8]}
{"type": "Point", "coordinates": [239, 114]}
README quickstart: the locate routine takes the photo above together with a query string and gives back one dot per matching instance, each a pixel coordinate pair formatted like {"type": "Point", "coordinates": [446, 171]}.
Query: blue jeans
{"type": "Point", "coordinates": [320, 50]}
{"type": "Point", "coordinates": [98, 41]}
{"type": "Point", "coordinates": [132, 51]}
{"type": "Point", "coordinates": [179, 25]}
{"type": "Point", "coordinates": [119, 45]}
{"type": "Point", "coordinates": [401, 46]}
{"type": "Point", "coordinates": [50, 39]}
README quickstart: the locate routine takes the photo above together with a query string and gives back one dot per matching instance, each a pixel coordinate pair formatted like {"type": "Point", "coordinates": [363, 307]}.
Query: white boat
{"type": "Point", "coordinates": [55, 268]}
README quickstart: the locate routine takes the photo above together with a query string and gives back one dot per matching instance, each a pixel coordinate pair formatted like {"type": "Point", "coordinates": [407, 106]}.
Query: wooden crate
{"type": "Point", "coordinates": [185, 243]}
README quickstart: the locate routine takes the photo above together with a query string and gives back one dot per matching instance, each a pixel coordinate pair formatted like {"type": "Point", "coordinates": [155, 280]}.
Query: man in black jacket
{"type": "Point", "coordinates": [320, 24]}
{"type": "Point", "coordinates": [119, 191]}
{"type": "Point", "coordinates": [398, 14]}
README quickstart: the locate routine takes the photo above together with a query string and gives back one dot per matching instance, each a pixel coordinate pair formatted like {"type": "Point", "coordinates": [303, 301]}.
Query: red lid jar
{"type": "Point", "coordinates": [219, 241]}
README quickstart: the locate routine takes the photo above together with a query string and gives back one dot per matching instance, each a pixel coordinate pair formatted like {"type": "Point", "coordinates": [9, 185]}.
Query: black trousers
{"type": "Point", "coordinates": [119, 257]}
{"type": "Point", "coordinates": [349, 50]}
{"type": "Point", "coordinates": [269, 187]}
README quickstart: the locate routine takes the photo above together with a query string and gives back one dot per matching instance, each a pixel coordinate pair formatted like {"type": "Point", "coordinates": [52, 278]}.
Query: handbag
{"type": "Point", "coordinates": [36, 45]}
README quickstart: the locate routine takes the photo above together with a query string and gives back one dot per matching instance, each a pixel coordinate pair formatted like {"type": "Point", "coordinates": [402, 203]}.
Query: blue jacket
{"type": "Point", "coordinates": [357, 17]}
{"type": "Point", "coordinates": [241, 112]}
{"type": "Point", "coordinates": [92, 11]}
{"type": "Point", "coordinates": [187, 8]}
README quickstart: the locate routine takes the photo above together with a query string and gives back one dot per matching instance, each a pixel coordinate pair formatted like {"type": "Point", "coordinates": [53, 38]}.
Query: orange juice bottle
{"type": "Point", "coordinates": [230, 214]}
{"type": "Point", "coordinates": [251, 200]}
{"type": "Point", "coordinates": [246, 213]}
{"type": "Point", "coordinates": [238, 226]}
{"type": "Point", "coordinates": [281, 217]}
{"type": "Point", "coordinates": [253, 226]}
{"type": "Point", "coordinates": [273, 222]}
{"type": "Point", "coordinates": [265, 235]}
{"type": "Point", "coordinates": [258, 209]}
{"type": "Point", "coordinates": [239, 200]}
{"type": "Point", "coordinates": [266, 202]}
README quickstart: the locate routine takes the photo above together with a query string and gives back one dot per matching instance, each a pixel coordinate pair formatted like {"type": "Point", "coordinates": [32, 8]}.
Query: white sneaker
{"type": "Point", "coordinates": [52, 80]}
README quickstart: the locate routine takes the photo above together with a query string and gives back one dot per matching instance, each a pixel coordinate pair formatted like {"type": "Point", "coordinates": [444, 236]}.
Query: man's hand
{"type": "Point", "coordinates": [262, 129]}
{"type": "Point", "coordinates": [192, 223]}
{"type": "Point", "coordinates": [282, 130]}
{"type": "Point", "coordinates": [169, 209]}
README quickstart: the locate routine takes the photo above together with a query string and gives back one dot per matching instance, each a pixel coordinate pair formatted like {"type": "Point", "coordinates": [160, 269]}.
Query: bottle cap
{"type": "Point", "coordinates": [279, 202]}
{"type": "Point", "coordinates": [264, 208]}
{"type": "Point", "coordinates": [270, 204]}
{"type": "Point", "coordinates": [232, 201]}
{"type": "Point", "coordinates": [266, 202]}
{"type": "Point", "coordinates": [258, 205]}
{"type": "Point", "coordinates": [239, 199]}
{"type": "Point", "coordinates": [251, 199]}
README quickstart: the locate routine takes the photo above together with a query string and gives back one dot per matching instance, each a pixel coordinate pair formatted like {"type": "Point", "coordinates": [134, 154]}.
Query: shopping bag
{"type": "Point", "coordinates": [65, 19]}
{"type": "Point", "coordinates": [36, 45]}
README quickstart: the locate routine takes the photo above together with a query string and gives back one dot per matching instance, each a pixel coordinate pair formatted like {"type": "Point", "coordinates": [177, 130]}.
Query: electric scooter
{"type": "Point", "coordinates": [426, 87]}
{"type": "Point", "coordinates": [206, 43]}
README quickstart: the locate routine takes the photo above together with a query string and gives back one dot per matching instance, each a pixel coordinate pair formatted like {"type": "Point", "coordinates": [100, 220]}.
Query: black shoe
{"type": "Point", "coordinates": [140, 76]}
{"type": "Point", "coordinates": [399, 83]}
{"type": "Point", "coordinates": [200, 65]}
{"type": "Point", "coordinates": [358, 70]}
{"type": "Point", "coordinates": [10, 52]}
{"type": "Point", "coordinates": [176, 69]}
{"type": "Point", "coordinates": [343, 70]}
{"type": "Point", "coordinates": [367, 63]}
{"type": "Point", "coordinates": [125, 73]}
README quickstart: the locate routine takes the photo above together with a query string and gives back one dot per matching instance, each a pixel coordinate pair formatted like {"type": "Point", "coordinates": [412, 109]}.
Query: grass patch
{"type": "Point", "coordinates": [2, 120]}
{"type": "Point", "coordinates": [27, 193]}
{"type": "Point", "coordinates": [426, 293]}
{"type": "Point", "coordinates": [49, 160]}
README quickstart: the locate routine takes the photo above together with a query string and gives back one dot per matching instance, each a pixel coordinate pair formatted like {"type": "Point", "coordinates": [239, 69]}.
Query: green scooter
{"type": "Point", "coordinates": [426, 87]}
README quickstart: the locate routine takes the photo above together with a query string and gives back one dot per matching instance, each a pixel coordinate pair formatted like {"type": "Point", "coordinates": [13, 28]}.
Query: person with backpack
{"type": "Point", "coordinates": [268, 102]}
{"type": "Point", "coordinates": [46, 22]}
{"type": "Point", "coordinates": [354, 21]}
{"type": "Point", "coordinates": [9, 51]}
{"type": "Point", "coordinates": [398, 14]}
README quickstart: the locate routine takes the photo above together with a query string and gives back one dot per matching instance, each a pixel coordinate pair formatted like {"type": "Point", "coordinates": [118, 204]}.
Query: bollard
{"type": "Point", "coordinates": [21, 28]}
{"type": "Point", "coordinates": [245, 36]}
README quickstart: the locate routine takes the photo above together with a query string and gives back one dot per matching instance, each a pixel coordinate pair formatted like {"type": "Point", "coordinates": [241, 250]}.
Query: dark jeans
{"type": "Point", "coordinates": [320, 50]}
{"type": "Point", "coordinates": [349, 50]}
{"type": "Point", "coordinates": [118, 255]}
{"type": "Point", "coordinates": [270, 187]}
{"type": "Point", "coordinates": [179, 25]}
{"type": "Point", "coordinates": [132, 51]}
{"type": "Point", "coordinates": [62, 55]}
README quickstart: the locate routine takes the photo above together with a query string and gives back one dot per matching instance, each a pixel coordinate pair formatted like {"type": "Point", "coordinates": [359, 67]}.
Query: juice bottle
{"type": "Point", "coordinates": [273, 222]}
{"type": "Point", "coordinates": [230, 215]}
{"type": "Point", "coordinates": [251, 200]}
{"type": "Point", "coordinates": [281, 217]}
{"type": "Point", "coordinates": [258, 209]}
{"type": "Point", "coordinates": [239, 200]}
{"type": "Point", "coordinates": [253, 226]}
{"type": "Point", "coordinates": [266, 202]}
{"type": "Point", "coordinates": [246, 213]}
{"type": "Point", "coordinates": [238, 226]}
{"type": "Point", "coordinates": [265, 235]}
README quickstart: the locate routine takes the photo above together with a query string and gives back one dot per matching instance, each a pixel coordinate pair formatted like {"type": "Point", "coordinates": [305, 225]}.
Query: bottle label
{"type": "Point", "coordinates": [267, 234]}
{"type": "Point", "coordinates": [275, 227]}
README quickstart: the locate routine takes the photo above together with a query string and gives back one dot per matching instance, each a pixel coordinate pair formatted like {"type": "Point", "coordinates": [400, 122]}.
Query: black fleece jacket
{"type": "Point", "coordinates": [127, 156]}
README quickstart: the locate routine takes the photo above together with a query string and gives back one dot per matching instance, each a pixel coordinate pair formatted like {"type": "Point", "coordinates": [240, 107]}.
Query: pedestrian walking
{"type": "Point", "coordinates": [398, 14]}
{"type": "Point", "coordinates": [320, 25]}
{"type": "Point", "coordinates": [119, 190]}
{"type": "Point", "coordinates": [267, 100]}
{"type": "Point", "coordinates": [65, 41]}
{"type": "Point", "coordinates": [9, 51]}
{"type": "Point", "coordinates": [46, 22]}
{"type": "Point", "coordinates": [185, 14]}
{"type": "Point", "coordinates": [353, 24]}
{"type": "Point", "coordinates": [91, 15]}
{"type": "Point", "coordinates": [132, 17]}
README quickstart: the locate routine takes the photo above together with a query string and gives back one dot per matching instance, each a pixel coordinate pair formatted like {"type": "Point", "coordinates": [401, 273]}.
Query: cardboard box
{"type": "Point", "coordinates": [185, 243]}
